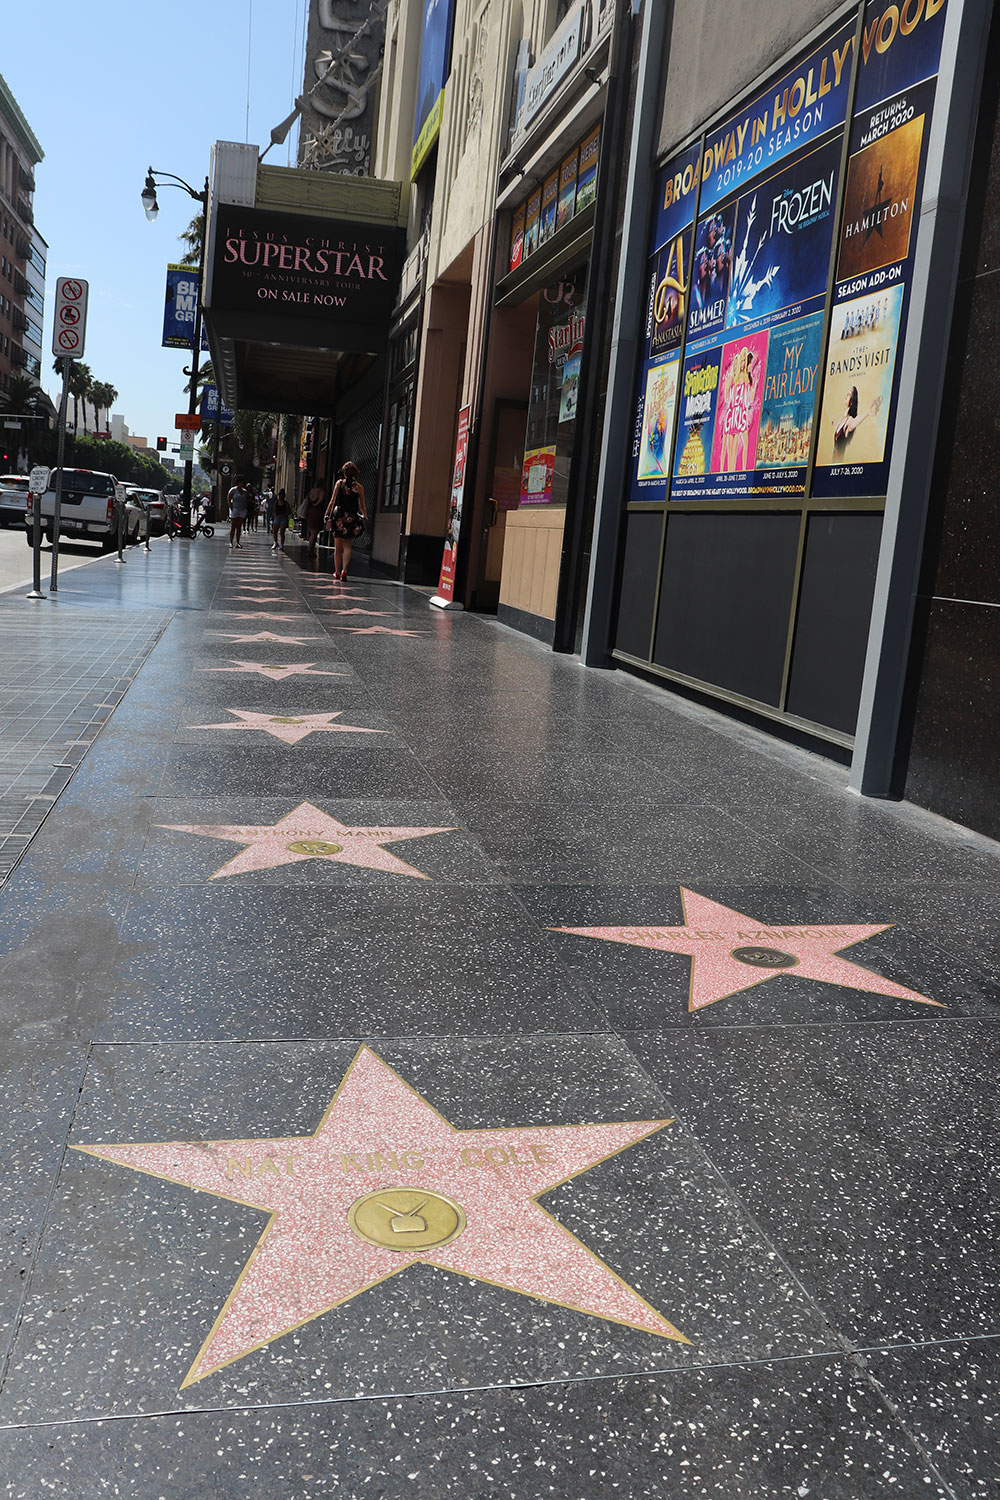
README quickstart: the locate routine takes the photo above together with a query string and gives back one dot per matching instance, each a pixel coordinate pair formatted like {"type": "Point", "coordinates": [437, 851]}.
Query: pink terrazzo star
{"type": "Point", "coordinates": [276, 674]}
{"type": "Point", "coordinates": [378, 1136]}
{"type": "Point", "coordinates": [380, 612]}
{"type": "Point", "coordinates": [290, 729]}
{"type": "Point", "coordinates": [258, 599]}
{"type": "Point", "coordinates": [731, 953]}
{"type": "Point", "coordinates": [377, 630]}
{"type": "Point", "coordinates": [258, 614]}
{"type": "Point", "coordinates": [307, 833]}
{"type": "Point", "coordinates": [267, 635]}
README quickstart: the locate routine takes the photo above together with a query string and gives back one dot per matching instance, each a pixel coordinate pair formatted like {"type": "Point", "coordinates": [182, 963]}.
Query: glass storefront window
{"type": "Point", "coordinates": [555, 379]}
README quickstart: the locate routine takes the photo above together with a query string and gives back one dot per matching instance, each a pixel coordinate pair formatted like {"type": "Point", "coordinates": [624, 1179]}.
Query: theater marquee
{"type": "Point", "coordinates": [304, 267]}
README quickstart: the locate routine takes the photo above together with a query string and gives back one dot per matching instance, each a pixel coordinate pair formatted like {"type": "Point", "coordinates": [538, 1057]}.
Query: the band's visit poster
{"type": "Point", "coordinates": [900, 54]}
{"type": "Point", "coordinates": [774, 222]}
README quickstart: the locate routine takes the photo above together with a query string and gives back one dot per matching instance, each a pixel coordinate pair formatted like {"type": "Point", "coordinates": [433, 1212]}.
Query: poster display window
{"type": "Point", "coordinates": [555, 377]}
{"type": "Point", "coordinates": [779, 277]}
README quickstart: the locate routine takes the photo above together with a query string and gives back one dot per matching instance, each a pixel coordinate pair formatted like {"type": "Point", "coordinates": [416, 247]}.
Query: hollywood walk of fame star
{"type": "Point", "coordinates": [377, 630]}
{"type": "Point", "coordinates": [260, 599]}
{"type": "Point", "coordinates": [290, 729]}
{"type": "Point", "coordinates": [267, 635]}
{"type": "Point", "coordinates": [276, 674]}
{"type": "Point", "coordinates": [380, 612]}
{"type": "Point", "coordinates": [731, 953]}
{"type": "Point", "coordinates": [259, 614]}
{"type": "Point", "coordinates": [385, 1182]}
{"type": "Point", "coordinates": [308, 833]}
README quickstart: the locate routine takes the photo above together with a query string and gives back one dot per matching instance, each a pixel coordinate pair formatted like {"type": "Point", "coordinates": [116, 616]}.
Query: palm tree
{"type": "Point", "coordinates": [192, 240]}
{"type": "Point", "coordinates": [80, 381]}
{"type": "Point", "coordinates": [103, 397]}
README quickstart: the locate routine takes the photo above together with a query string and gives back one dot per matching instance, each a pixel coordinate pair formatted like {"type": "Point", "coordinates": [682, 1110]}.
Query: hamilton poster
{"type": "Point", "coordinates": [900, 55]}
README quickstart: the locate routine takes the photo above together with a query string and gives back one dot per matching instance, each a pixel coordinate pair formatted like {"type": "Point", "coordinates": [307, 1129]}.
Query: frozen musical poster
{"type": "Point", "coordinates": [741, 396]}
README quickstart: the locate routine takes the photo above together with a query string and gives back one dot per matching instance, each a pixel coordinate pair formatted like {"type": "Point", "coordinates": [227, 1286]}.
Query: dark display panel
{"type": "Point", "coordinates": [725, 597]}
{"type": "Point", "coordinates": [640, 567]}
{"type": "Point", "coordinates": [831, 632]}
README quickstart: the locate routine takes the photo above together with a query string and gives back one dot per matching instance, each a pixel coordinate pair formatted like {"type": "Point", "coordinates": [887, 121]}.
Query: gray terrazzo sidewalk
{"type": "Point", "coordinates": [431, 1068]}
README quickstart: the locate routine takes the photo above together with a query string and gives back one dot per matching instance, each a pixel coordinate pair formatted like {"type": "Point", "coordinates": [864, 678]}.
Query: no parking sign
{"type": "Point", "coordinates": [70, 326]}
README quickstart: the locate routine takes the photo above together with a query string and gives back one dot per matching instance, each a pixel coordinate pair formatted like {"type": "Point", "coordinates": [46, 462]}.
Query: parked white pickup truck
{"type": "Point", "coordinates": [91, 502]}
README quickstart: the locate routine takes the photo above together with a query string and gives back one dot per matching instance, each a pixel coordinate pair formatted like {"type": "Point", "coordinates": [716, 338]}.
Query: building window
{"type": "Point", "coordinates": [37, 260]}
{"type": "Point", "coordinates": [397, 432]}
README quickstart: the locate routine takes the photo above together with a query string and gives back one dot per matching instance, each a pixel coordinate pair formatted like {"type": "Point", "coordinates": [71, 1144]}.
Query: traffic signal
{"type": "Point", "coordinates": [161, 445]}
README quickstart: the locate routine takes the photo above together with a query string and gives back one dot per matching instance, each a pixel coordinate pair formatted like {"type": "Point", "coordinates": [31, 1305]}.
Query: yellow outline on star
{"type": "Point", "coordinates": [267, 846]}
{"type": "Point", "coordinates": [310, 1259]}
{"type": "Point", "coordinates": [731, 952]}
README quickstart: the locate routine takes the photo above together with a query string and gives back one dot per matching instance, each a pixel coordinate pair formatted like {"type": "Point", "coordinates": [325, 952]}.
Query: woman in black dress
{"type": "Point", "coordinates": [346, 516]}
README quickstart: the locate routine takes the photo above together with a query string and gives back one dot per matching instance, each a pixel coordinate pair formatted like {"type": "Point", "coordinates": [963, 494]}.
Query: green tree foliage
{"type": "Point", "coordinates": [97, 453]}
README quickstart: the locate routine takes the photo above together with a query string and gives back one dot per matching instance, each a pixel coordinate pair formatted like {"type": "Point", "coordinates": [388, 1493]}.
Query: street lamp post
{"type": "Point", "coordinates": [155, 179]}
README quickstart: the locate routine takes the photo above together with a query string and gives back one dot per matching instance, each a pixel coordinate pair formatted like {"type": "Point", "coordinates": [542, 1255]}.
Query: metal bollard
{"type": "Point", "coordinates": [147, 528]}
{"type": "Point", "coordinates": [121, 534]}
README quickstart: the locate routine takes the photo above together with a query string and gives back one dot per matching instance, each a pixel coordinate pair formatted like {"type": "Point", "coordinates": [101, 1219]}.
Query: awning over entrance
{"type": "Point", "coordinates": [302, 271]}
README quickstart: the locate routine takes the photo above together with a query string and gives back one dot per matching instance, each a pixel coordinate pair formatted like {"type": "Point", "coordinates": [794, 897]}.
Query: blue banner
{"type": "Point", "coordinates": [212, 410]}
{"type": "Point", "coordinates": [435, 63]}
{"type": "Point", "coordinates": [180, 307]}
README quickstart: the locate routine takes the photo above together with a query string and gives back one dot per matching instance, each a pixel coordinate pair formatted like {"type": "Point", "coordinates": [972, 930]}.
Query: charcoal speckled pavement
{"type": "Point", "coordinates": [431, 1068]}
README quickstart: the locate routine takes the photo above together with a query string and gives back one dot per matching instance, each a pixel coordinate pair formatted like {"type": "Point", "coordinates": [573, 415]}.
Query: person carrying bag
{"type": "Point", "coordinates": [346, 516]}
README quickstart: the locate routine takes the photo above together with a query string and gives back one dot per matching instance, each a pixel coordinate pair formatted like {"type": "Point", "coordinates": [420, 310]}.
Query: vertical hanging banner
{"type": "Point", "coordinates": [180, 307]}
{"type": "Point", "coordinates": [445, 596]}
{"type": "Point", "coordinates": [900, 56]}
{"type": "Point", "coordinates": [435, 63]}
{"type": "Point", "coordinates": [214, 410]}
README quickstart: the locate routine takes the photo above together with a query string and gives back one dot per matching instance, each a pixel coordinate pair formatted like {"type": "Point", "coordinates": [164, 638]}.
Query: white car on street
{"type": "Point", "coordinates": [153, 504]}
{"type": "Point", "coordinates": [13, 498]}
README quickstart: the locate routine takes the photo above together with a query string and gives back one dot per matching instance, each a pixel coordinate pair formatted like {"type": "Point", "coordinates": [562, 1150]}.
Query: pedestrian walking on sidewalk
{"type": "Point", "coordinates": [346, 516]}
{"type": "Point", "coordinates": [314, 517]}
{"type": "Point", "coordinates": [239, 506]}
{"type": "Point", "coordinates": [281, 516]}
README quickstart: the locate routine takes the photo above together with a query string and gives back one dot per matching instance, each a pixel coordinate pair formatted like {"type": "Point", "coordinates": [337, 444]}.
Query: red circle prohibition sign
{"type": "Point", "coordinates": [69, 338]}
{"type": "Point", "coordinates": [69, 314]}
{"type": "Point", "coordinates": [72, 290]}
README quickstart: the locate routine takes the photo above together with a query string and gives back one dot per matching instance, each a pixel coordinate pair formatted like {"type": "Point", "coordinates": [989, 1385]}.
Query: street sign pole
{"type": "Point", "coordinates": [57, 509]}
{"type": "Point", "coordinates": [69, 332]}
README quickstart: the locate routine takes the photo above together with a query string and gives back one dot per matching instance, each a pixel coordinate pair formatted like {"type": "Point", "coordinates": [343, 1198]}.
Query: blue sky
{"type": "Point", "coordinates": [109, 90]}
